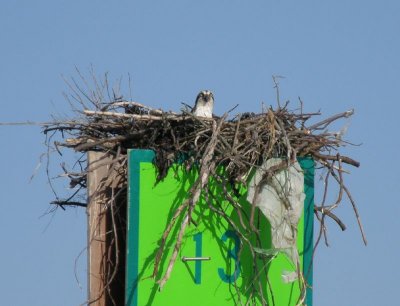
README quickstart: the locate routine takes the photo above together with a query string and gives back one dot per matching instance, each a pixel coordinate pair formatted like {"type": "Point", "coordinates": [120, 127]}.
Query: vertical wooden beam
{"type": "Point", "coordinates": [97, 229]}
{"type": "Point", "coordinates": [106, 224]}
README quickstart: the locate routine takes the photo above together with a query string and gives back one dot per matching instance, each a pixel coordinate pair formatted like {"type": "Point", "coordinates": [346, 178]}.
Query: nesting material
{"type": "Point", "coordinates": [241, 144]}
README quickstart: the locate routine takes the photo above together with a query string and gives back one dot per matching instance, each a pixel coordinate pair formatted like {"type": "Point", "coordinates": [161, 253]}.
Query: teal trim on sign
{"type": "Point", "coordinates": [307, 165]}
{"type": "Point", "coordinates": [135, 158]}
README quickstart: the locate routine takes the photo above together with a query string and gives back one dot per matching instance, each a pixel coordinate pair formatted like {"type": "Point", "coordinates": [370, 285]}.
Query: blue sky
{"type": "Point", "coordinates": [335, 55]}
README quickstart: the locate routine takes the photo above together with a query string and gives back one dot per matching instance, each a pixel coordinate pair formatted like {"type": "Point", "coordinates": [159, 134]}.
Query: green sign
{"type": "Point", "coordinates": [208, 270]}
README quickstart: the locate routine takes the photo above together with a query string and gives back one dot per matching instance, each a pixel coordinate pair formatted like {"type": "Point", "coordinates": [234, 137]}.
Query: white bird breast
{"type": "Point", "coordinates": [204, 110]}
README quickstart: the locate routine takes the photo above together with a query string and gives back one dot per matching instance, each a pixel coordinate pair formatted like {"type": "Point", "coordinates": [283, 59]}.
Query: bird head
{"type": "Point", "coordinates": [204, 97]}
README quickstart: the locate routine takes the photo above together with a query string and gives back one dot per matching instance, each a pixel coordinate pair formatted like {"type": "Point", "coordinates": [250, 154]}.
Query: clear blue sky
{"type": "Point", "coordinates": [335, 55]}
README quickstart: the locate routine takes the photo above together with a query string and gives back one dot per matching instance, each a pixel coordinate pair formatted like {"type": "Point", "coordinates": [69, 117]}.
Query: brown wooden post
{"type": "Point", "coordinates": [101, 238]}
{"type": "Point", "coordinates": [96, 209]}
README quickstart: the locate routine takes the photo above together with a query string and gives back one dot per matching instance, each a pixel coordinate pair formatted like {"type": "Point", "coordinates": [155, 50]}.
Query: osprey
{"type": "Point", "coordinates": [204, 104]}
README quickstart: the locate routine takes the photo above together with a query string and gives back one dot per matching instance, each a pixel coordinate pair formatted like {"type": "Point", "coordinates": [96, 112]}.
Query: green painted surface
{"type": "Point", "coordinates": [209, 282]}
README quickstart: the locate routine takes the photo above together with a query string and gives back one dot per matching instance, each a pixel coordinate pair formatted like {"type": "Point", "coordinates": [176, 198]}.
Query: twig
{"type": "Point", "coordinates": [331, 215]}
{"type": "Point", "coordinates": [324, 123]}
{"type": "Point", "coordinates": [62, 203]}
{"type": "Point", "coordinates": [344, 159]}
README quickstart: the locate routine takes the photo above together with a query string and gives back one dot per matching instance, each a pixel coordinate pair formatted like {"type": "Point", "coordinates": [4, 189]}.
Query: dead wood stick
{"type": "Point", "coordinates": [326, 211]}
{"type": "Point", "coordinates": [353, 204]}
{"type": "Point", "coordinates": [324, 123]}
{"type": "Point", "coordinates": [235, 138]}
{"type": "Point", "coordinates": [164, 238]}
{"type": "Point", "coordinates": [357, 215]}
{"type": "Point", "coordinates": [132, 103]}
{"type": "Point", "coordinates": [30, 123]}
{"type": "Point", "coordinates": [177, 247]}
{"type": "Point", "coordinates": [169, 116]}
{"type": "Point", "coordinates": [222, 182]}
{"type": "Point", "coordinates": [121, 115]}
{"type": "Point", "coordinates": [285, 138]}
{"type": "Point", "coordinates": [344, 159]}
{"type": "Point", "coordinates": [207, 165]}
{"type": "Point", "coordinates": [62, 203]}
{"type": "Point", "coordinates": [86, 146]}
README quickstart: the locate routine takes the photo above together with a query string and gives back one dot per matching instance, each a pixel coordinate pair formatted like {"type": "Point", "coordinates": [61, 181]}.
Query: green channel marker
{"type": "Point", "coordinates": [207, 271]}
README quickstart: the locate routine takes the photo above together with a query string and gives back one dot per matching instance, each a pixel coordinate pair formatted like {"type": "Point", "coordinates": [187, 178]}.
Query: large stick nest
{"type": "Point", "coordinates": [240, 145]}
{"type": "Point", "coordinates": [242, 142]}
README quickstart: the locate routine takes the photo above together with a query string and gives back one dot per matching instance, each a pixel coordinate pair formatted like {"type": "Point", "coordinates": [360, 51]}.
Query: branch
{"type": "Point", "coordinates": [344, 159]}
{"type": "Point", "coordinates": [324, 123]}
{"type": "Point", "coordinates": [62, 203]}
{"type": "Point", "coordinates": [327, 212]}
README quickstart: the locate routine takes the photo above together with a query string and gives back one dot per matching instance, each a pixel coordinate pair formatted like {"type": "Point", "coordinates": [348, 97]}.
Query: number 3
{"type": "Point", "coordinates": [231, 254]}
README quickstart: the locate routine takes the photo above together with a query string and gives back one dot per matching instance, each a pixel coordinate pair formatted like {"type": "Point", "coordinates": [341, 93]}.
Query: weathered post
{"type": "Point", "coordinates": [106, 255]}
{"type": "Point", "coordinates": [96, 229]}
